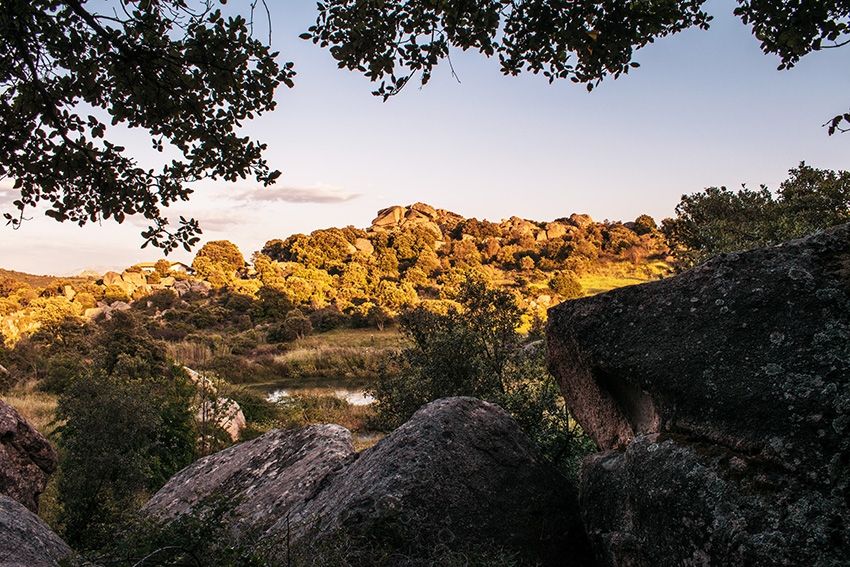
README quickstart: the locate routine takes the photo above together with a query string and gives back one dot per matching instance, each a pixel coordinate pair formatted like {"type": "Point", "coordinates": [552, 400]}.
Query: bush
{"type": "Point", "coordinates": [566, 285]}
{"type": "Point", "coordinates": [127, 429]}
{"type": "Point", "coordinates": [294, 327]}
{"type": "Point", "coordinates": [645, 224]}
{"type": "Point", "coordinates": [327, 319]}
{"type": "Point", "coordinates": [476, 351]}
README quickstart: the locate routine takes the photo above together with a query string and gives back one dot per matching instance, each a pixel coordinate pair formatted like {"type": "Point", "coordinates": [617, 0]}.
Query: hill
{"type": "Point", "coordinates": [350, 277]}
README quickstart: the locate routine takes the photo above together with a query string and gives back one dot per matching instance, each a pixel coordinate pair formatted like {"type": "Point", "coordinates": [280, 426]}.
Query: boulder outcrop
{"type": "Point", "coordinates": [27, 459]}
{"type": "Point", "coordinates": [258, 481]}
{"type": "Point", "coordinates": [724, 396]}
{"type": "Point", "coordinates": [25, 540]}
{"type": "Point", "coordinates": [459, 475]}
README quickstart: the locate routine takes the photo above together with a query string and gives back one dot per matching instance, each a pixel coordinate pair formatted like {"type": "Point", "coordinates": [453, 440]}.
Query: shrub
{"type": "Point", "coordinates": [645, 224]}
{"type": "Point", "coordinates": [127, 428]}
{"type": "Point", "coordinates": [294, 327]}
{"type": "Point", "coordinates": [566, 285]}
{"type": "Point", "coordinates": [477, 351]}
{"type": "Point", "coordinates": [327, 319]}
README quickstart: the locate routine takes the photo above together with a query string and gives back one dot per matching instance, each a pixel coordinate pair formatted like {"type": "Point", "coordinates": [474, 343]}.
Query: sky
{"type": "Point", "coordinates": [706, 108]}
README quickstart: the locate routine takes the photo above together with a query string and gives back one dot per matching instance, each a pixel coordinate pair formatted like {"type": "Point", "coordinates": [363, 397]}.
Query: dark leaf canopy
{"type": "Point", "coordinates": [181, 72]}
{"type": "Point", "coordinates": [392, 41]}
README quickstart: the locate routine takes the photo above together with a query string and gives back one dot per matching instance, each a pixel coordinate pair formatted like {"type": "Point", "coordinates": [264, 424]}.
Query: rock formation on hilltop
{"type": "Point", "coordinates": [27, 459]}
{"type": "Point", "coordinates": [459, 475]}
{"type": "Point", "coordinates": [722, 398]}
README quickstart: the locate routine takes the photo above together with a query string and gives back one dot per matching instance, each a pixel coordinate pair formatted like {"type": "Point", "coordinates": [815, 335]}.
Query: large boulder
{"type": "Point", "coordinates": [27, 459]}
{"type": "Point", "coordinates": [672, 501]}
{"type": "Point", "coordinates": [389, 217]}
{"type": "Point", "coordinates": [460, 474]}
{"type": "Point", "coordinates": [25, 540]}
{"type": "Point", "coordinates": [258, 482]}
{"type": "Point", "coordinates": [742, 366]}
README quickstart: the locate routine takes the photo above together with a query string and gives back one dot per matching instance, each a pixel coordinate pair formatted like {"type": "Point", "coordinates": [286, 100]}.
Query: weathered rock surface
{"type": "Point", "coordinates": [258, 481]}
{"type": "Point", "coordinates": [25, 540]}
{"type": "Point", "coordinates": [27, 459]}
{"type": "Point", "coordinates": [672, 501]}
{"type": "Point", "coordinates": [742, 366]}
{"type": "Point", "coordinates": [460, 474]}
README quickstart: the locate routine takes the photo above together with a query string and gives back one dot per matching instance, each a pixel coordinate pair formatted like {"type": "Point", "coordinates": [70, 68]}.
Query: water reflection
{"type": "Point", "coordinates": [353, 397]}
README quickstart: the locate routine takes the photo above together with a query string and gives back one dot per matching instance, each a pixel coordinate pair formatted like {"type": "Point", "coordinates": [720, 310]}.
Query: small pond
{"type": "Point", "coordinates": [355, 397]}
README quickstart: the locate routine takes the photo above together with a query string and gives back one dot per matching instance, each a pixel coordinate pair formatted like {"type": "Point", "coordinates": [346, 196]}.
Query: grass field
{"type": "Point", "coordinates": [38, 408]}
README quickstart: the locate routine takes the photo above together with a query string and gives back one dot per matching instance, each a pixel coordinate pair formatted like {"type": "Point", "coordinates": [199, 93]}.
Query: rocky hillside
{"type": "Point", "coordinates": [361, 277]}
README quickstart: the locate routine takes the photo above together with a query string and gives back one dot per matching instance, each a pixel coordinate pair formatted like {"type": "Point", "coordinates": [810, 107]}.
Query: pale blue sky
{"type": "Point", "coordinates": [704, 108]}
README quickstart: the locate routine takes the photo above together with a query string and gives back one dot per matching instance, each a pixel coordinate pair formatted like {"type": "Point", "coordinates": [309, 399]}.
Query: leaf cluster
{"type": "Point", "coordinates": [182, 72]}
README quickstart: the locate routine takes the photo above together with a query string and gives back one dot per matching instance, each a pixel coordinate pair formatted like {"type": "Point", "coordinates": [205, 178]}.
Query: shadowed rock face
{"type": "Point", "coordinates": [26, 458]}
{"type": "Point", "coordinates": [459, 474]}
{"type": "Point", "coordinates": [723, 395]}
{"type": "Point", "coordinates": [25, 540]}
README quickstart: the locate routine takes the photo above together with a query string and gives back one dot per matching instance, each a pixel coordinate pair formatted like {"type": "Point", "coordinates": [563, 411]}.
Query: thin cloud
{"type": "Point", "coordinates": [317, 194]}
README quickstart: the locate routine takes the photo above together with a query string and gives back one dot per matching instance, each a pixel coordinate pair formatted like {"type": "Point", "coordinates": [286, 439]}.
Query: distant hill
{"type": "Point", "coordinates": [35, 280]}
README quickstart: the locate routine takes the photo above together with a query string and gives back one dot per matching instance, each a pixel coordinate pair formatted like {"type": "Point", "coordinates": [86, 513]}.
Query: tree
{"type": "Point", "coordinates": [645, 224]}
{"type": "Point", "coordinates": [179, 70]}
{"type": "Point", "coordinates": [583, 40]}
{"type": "Point", "coordinates": [719, 220]}
{"type": "Point", "coordinates": [218, 261]}
{"type": "Point", "coordinates": [127, 429]}
{"type": "Point", "coordinates": [472, 348]}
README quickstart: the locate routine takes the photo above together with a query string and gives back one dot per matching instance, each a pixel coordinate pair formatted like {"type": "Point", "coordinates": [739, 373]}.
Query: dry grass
{"type": "Point", "coordinates": [38, 408]}
{"type": "Point", "coordinates": [599, 283]}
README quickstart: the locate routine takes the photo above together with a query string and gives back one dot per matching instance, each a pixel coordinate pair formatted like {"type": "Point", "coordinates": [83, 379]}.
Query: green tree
{"type": "Point", "coordinates": [719, 220]}
{"type": "Point", "coordinates": [475, 350]}
{"type": "Point", "coordinates": [645, 224]}
{"type": "Point", "coordinates": [182, 71]}
{"type": "Point", "coordinates": [218, 262]}
{"type": "Point", "coordinates": [127, 428]}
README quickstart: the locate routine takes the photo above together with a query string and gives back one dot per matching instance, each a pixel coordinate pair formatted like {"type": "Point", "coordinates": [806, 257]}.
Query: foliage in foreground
{"type": "Point", "coordinates": [475, 350]}
{"type": "Point", "coordinates": [126, 429]}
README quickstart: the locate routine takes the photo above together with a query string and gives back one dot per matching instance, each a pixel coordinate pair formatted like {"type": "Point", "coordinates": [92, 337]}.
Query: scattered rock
{"type": "Point", "coordinates": [26, 541]}
{"type": "Point", "coordinates": [555, 230]}
{"type": "Point", "coordinates": [226, 413]}
{"type": "Point", "coordinates": [580, 220]}
{"type": "Point", "coordinates": [389, 217]}
{"type": "Point", "coordinates": [27, 459]}
{"type": "Point", "coordinates": [364, 245]}
{"type": "Point", "coordinates": [426, 210]}
{"type": "Point", "coordinates": [738, 372]}
{"type": "Point", "coordinates": [135, 279]}
{"type": "Point", "coordinates": [111, 278]}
